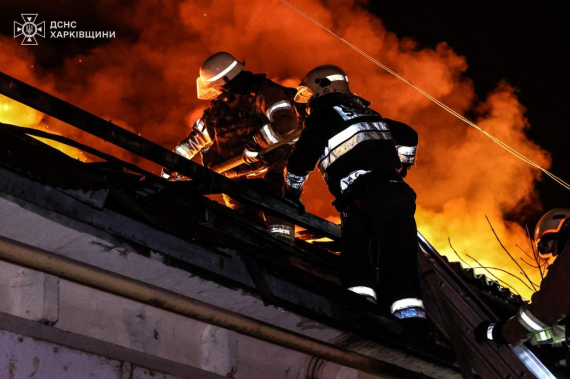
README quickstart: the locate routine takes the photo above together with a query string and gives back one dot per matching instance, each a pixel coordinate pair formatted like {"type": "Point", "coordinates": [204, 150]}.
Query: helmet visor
{"type": "Point", "coordinates": [547, 246]}
{"type": "Point", "coordinates": [206, 91]}
{"type": "Point", "coordinates": [303, 95]}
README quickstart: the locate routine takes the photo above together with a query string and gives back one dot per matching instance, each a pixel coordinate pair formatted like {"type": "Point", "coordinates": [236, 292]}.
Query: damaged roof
{"type": "Point", "coordinates": [194, 233]}
{"type": "Point", "coordinates": [233, 251]}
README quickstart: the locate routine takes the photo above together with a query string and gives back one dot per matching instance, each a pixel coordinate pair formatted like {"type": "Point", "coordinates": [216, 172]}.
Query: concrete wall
{"type": "Point", "coordinates": [131, 326]}
{"type": "Point", "coordinates": [23, 357]}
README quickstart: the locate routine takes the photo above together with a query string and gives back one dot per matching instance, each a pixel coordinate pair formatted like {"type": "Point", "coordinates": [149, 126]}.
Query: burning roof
{"type": "Point", "coordinates": [310, 286]}
{"type": "Point", "coordinates": [460, 178]}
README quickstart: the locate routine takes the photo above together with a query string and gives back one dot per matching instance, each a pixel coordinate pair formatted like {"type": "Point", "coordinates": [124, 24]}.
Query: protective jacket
{"type": "Point", "coordinates": [549, 306]}
{"type": "Point", "coordinates": [359, 152]}
{"type": "Point", "coordinates": [347, 139]}
{"type": "Point", "coordinates": [254, 112]}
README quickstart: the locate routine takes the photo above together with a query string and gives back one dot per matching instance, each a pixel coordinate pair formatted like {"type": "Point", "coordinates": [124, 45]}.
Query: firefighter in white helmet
{"type": "Point", "coordinates": [363, 158]}
{"type": "Point", "coordinates": [247, 113]}
{"type": "Point", "coordinates": [544, 320]}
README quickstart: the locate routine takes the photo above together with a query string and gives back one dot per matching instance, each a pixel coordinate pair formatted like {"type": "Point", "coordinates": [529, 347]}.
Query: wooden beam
{"type": "Point", "coordinates": [88, 122]}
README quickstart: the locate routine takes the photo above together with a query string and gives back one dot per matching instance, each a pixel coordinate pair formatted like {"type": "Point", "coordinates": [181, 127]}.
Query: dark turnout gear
{"type": "Point", "coordinates": [546, 317]}
{"type": "Point", "coordinates": [355, 150]}
{"type": "Point", "coordinates": [198, 140]}
{"type": "Point", "coordinates": [549, 305]}
{"type": "Point", "coordinates": [347, 139]}
{"type": "Point", "coordinates": [488, 331]}
{"type": "Point", "coordinates": [253, 114]}
{"type": "Point", "coordinates": [379, 240]}
{"type": "Point", "coordinates": [250, 113]}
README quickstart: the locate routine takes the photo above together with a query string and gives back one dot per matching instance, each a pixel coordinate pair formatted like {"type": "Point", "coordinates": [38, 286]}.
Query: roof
{"type": "Point", "coordinates": [198, 235]}
{"type": "Point", "coordinates": [187, 230]}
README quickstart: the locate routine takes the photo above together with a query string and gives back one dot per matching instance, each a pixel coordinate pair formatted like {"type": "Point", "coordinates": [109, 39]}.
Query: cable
{"type": "Point", "coordinates": [434, 100]}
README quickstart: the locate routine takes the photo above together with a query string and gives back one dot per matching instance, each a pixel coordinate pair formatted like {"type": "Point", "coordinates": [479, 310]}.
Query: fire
{"type": "Point", "coordinates": [14, 113]}
{"type": "Point", "coordinates": [147, 85]}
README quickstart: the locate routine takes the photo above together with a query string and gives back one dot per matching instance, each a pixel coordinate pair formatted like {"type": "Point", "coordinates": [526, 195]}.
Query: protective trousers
{"type": "Point", "coordinates": [379, 239]}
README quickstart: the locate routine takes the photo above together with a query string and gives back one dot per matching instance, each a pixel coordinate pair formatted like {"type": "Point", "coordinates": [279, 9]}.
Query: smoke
{"type": "Point", "coordinates": [147, 85]}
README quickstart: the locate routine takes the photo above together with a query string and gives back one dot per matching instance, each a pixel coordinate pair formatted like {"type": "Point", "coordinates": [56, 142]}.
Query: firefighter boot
{"type": "Point", "coordinates": [281, 229]}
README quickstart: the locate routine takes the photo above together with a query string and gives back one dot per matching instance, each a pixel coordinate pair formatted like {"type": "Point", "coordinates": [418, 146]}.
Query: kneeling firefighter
{"type": "Point", "coordinates": [363, 158]}
{"type": "Point", "coordinates": [545, 319]}
{"type": "Point", "coordinates": [248, 113]}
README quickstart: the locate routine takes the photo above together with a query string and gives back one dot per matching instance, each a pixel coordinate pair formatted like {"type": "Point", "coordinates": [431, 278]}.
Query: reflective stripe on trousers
{"type": "Point", "coordinates": [408, 308]}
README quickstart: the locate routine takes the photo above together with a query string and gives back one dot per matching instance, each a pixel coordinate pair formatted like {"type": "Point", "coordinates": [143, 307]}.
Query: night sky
{"type": "Point", "coordinates": [526, 43]}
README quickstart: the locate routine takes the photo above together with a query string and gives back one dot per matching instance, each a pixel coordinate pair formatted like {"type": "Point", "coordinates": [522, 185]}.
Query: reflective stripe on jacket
{"type": "Point", "coordinates": [198, 140]}
{"type": "Point", "coordinates": [549, 305]}
{"type": "Point", "coordinates": [346, 139]}
{"type": "Point", "coordinates": [257, 113]}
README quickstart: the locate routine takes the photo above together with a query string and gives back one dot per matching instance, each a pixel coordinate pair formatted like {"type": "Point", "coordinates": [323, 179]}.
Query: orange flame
{"type": "Point", "coordinates": [149, 86]}
{"type": "Point", "coordinates": [14, 113]}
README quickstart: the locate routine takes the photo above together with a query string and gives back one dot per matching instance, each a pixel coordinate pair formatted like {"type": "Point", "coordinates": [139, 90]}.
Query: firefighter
{"type": "Point", "coordinates": [363, 158]}
{"type": "Point", "coordinates": [247, 113]}
{"type": "Point", "coordinates": [545, 318]}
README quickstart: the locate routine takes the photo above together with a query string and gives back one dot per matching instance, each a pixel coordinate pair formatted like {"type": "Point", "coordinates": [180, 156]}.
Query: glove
{"type": "Point", "coordinates": [488, 329]}
{"type": "Point", "coordinates": [251, 154]}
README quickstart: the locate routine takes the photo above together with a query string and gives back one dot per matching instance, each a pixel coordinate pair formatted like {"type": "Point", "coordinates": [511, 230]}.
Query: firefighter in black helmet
{"type": "Point", "coordinates": [247, 113]}
{"type": "Point", "coordinates": [545, 319]}
{"type": "Point", "coordinates": [363, 158]}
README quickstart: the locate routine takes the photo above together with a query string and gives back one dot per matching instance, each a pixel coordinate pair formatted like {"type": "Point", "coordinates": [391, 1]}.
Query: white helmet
{"type": "Point", "coordinates": [320, 81]}
{"type": "Point", "coordinates": [215, 72]}
{"type": "Point", "coordinates": [548, 229]}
